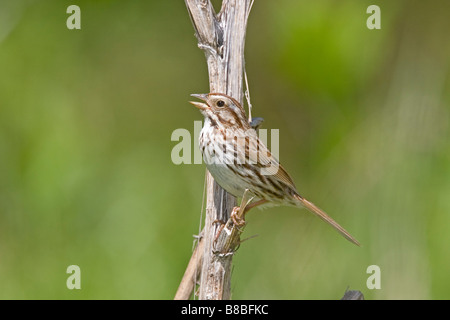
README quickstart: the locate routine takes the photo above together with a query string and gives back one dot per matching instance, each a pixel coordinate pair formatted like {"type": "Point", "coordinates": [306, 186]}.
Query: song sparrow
{"type": "Point", "coordinates": [238, 160]}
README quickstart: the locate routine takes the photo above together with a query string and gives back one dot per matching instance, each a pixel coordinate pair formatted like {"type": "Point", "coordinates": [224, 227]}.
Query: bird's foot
{"type": "Point", "coordinates": [239, 222]}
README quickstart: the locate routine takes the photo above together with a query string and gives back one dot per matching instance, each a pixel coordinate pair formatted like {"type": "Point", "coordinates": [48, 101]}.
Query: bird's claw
{"type": "Point", "coordinates": [235, 217]}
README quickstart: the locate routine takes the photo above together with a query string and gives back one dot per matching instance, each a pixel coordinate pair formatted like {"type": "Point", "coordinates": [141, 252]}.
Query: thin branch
{"type": "Point", "coordinates": [247, 97]}
{"type": "Point", "coordinates": [192, 273]}
{"type": "Point", "coordinates": [222, 37]}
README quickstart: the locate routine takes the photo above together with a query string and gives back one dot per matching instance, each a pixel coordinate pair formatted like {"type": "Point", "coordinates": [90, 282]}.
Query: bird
{"type": "Point", "coordinates": [238, 160]}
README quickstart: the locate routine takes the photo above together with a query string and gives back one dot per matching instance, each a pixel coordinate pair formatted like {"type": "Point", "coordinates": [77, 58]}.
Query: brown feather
{"type": "Point", "coordinates": [322, 215]}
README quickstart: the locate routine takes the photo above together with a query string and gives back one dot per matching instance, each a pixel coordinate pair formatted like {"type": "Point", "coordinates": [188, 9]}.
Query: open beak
{"type": "Point", "coordinates": [200, 105]}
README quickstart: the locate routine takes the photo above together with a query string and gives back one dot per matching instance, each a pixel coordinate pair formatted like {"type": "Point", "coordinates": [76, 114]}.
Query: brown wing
{"type": "Point", "coordinates": [260, 155]}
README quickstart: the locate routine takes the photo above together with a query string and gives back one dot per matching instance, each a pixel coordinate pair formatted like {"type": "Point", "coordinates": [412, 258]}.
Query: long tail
{"type": "Point", "coordinates": [322, 215]}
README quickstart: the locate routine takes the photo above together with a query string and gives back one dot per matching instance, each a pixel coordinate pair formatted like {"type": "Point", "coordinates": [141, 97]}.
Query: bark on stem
{"type": "Point", "coordinates": [222, 37]}
{"type": "Point", "coordinates": [187, 284]}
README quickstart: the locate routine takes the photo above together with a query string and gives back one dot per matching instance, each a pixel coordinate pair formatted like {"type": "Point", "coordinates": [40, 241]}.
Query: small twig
{"type": "Point", "coordinates": [249, 238]}
{"type": "Point", "coordinates": [246, 199]}
{"type": "Point", "coordinates": [247, 95]}
{"type": "Point", "coordinates": [192, 273]}
{"type": "Point", "coordinates": [255, 123]}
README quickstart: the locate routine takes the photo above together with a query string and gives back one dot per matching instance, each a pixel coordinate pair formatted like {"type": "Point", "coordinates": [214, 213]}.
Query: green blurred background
{"type": "Point", "coordinates": [86, 177]}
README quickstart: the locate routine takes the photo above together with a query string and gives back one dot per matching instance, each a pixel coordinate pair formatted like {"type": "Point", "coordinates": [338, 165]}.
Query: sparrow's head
{"type": "Point", "coordinates": [221, 110]}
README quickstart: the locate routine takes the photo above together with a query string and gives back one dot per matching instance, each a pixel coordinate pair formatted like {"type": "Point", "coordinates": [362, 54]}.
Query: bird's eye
{"type": "Point", "coordinates": [220, 103]}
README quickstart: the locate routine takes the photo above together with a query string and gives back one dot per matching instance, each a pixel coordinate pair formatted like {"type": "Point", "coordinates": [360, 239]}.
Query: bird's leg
{"type": "Point", "coordinates": [254, 204]}
{"type": "Point", "coordinates": [241, 221]}
{"type": "Point", "coordinates": [235, 217]}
